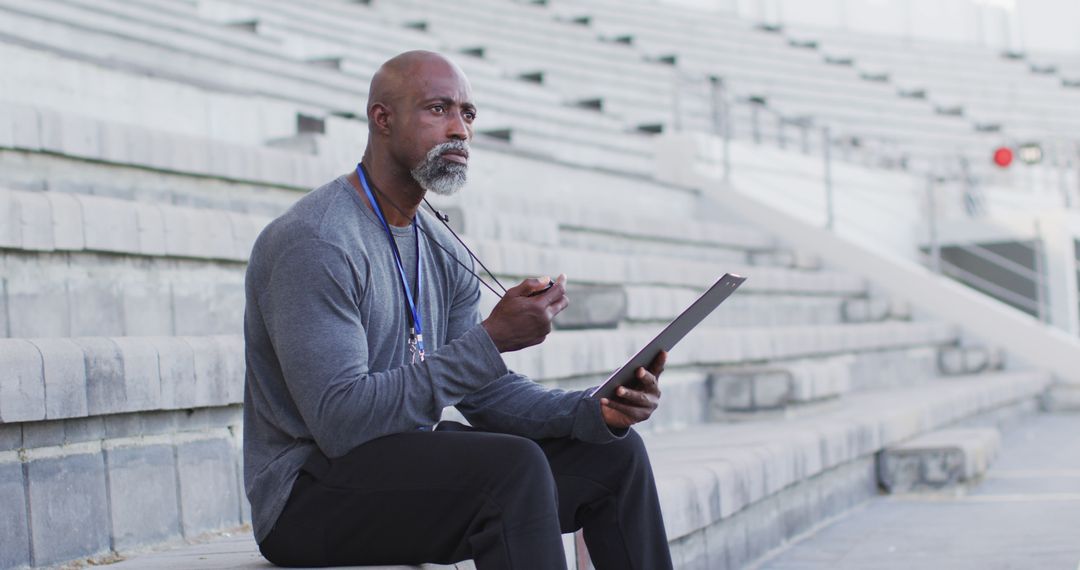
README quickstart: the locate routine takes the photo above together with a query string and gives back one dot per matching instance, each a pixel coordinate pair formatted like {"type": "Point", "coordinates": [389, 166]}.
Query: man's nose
{"type": "Point", "coordinates": [458, 129]}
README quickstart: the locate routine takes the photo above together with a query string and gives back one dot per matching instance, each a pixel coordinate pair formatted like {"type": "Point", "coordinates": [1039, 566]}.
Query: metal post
{"type": "Point", "coordinates": [1063, 165]}
{"type": "Point", "coordinates": [1065, 182]}
{"type": "Point", "coordinates": [676, 105]}
{"type": "Point", "coordinates": [830, 217]}
{"type": "Point", "coordinates": [722, 121]}
{"type": "Point", "coordinates": [754, 108]}
{"type": "Point", "coordinates": [1038, 252]}
{"type": "Point", "coordinates": [973, 202]}
{"type": "Point", "coordinates": [931, 216]}
{"type": "Point", "coordinates": [1076, 155]}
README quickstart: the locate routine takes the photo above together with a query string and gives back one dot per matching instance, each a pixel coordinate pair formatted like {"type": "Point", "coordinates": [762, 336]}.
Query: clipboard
{"type": "Point", "coordinates": [672, 334]}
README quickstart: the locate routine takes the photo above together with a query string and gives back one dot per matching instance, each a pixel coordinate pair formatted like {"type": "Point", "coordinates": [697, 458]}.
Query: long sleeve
{"type": "Point", "coordinates": [517, 405]}
{"type": "Point", "coordinates": [313, 318]}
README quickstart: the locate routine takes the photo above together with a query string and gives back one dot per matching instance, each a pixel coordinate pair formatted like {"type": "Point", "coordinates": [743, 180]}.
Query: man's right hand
{"type": "Point", "coordinates": [520, 320]}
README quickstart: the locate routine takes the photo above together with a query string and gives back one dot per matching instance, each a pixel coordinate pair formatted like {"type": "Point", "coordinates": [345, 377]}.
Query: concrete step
{"type": "Point", "coordinates": [938, 460]}
{"type": "Point", "coordinates": [780, 388]}
{"type": "Point", "coordinates": [57, 378]}
{"type": "Point", "coordinates": [63, 134]}
{"type": "Point", "coordinates": [237, 551]}
{"type": "Point", "coordinates": [81, 488]}
{"type": "Point", "coordinates": [90, 294]}
{"type": "Point", "coordinates": [643, 305]}
{"type": "Point", "coordinates": [654, 304]}
{"type": "Point", "coordinates": [1024, 509]}
{"type": "Point", "coordinates": [139, 100]}
{"type": "Point", "coordinates": [57, 221]}
{"type": "Point", "coordinates": [43, 130]}
{"type": "Point", "coordinates": [64, 294]}
{"type": "Point", "coordinates": [294, 81]}
{"type": "Point", "coordinates": [524, 259]}
{"type": "Point", "coordinates": [745, 391]}
{"type": "Point", "coordinates": [616, 229]}
{"type": "Point", "coordinates": [775, 386]}
{"type": "Point", "coordinates": [592, 354]}
{"type": "Point", "coordinates": [731, 493]}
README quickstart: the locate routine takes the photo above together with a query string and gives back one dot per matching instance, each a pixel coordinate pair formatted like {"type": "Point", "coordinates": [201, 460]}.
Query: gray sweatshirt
{"type": "Point", "coordinates": [328, 365]}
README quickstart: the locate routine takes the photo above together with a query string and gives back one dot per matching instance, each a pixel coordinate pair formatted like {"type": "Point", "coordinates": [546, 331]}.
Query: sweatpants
{"type": "Point", "coordinates": [446, 496]}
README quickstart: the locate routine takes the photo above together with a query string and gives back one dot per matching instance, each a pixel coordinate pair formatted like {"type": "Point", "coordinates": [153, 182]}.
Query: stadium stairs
{"type": "Point", "coordinates": [137, 169]}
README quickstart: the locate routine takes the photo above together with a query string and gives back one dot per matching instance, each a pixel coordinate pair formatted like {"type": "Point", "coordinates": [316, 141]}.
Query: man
{"type": "Point", "coordinates": [361, 325]}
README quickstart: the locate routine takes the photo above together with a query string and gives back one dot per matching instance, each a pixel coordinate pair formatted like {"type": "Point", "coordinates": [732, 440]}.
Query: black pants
{"type": "Point", "coordinates": [447, 496]}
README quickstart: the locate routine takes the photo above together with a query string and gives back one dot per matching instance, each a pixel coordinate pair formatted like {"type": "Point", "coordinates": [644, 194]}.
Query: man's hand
{"type": "Point", "coordinates": [522, 319]}
{"type": "Point", "coordinates": [635, 402]}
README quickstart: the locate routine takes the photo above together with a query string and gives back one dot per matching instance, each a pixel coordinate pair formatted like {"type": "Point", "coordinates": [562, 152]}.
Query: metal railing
{"type": "Point", "coordinates": [836, 145]}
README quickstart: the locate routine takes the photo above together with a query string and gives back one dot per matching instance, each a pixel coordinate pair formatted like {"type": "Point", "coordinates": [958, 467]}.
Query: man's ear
{"type": "Point", "coordinates": [379, 117]}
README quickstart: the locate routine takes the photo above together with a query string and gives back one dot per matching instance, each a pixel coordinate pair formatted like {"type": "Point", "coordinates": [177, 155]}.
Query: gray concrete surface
{"type": "Point", "coordinates": [234, 551]}
{"type": "Point", "coordinates": [938, 460]}
{"type": "Point", "coordinates": [1024, 514]}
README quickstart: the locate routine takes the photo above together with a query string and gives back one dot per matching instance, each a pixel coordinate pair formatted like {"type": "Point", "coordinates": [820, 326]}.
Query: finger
{"type": "Point", "coordinates": [557, 307]}
{"type": "Point", "coordinates": [647, 380]}
{"type": "Point", "coordinates": [531, 285]}
{"type": "Point", "coordinates": [632, 413]}
{"type": "Point", "coordinates": [658, 363]}
{"type": "Point", "coordinates": [637, 401]}
{"type": "Point", "coordinates": [636, 397]}
{"type": "Point", "coordinates": [542, 290]}
{"type": "Point", "coordinates": [557, 291]}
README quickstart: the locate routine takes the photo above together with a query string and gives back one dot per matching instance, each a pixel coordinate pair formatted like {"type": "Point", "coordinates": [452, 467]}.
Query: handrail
{"type": "Point", "coordinates": [935, 169]}
{"type": "Point", "coordinates": [999, 260]}
{"type": "Point", "coordinates": [1010, 296]}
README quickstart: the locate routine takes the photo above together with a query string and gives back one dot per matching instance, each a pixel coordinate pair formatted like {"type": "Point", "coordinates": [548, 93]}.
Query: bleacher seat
{"type": "Point", "coordinates": [145, 143]}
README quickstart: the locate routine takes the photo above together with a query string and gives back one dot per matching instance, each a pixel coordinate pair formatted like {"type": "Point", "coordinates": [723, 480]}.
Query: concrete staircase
{"type": "Point", "coordinates": [127, 213]}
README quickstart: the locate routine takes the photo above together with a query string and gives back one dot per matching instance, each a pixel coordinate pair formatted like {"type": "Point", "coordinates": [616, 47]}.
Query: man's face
{"type": "Point", "coordinates": [435, 127]}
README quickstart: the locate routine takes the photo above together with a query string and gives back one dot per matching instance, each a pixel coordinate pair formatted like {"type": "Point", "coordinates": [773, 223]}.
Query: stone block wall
{"type": "Point", "coordinates": [85, 487]}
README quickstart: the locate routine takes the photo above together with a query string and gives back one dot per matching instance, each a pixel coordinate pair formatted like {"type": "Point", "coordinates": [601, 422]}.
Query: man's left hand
{"type": "Point", "coordinates": [635, 402]}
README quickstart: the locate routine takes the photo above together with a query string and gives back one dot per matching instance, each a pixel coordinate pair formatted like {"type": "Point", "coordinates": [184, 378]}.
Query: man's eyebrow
{"type": "Point", "coordinates": [450, 101]}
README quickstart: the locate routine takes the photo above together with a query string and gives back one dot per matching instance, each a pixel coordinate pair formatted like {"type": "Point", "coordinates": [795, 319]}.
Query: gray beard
{"type": "Point", "coordinates": [438, 175]}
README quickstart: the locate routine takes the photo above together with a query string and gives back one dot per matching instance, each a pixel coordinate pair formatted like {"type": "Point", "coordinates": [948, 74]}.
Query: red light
{"type": "Point", "coordinates": [1003, 156]}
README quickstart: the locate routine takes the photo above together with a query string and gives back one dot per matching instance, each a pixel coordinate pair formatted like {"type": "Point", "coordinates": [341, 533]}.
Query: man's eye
{"type": "Point", "coordinates": [470, 116]}
{"type": "Point", "coordinates": [438, 108]}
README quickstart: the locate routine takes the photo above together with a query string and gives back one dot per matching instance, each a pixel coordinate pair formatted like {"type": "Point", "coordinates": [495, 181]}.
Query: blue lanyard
{"type": "Point", "coordinates": [416, 330]}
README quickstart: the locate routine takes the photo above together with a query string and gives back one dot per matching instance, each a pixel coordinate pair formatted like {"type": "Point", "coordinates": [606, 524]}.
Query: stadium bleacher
{"type": "Point", "coordinates": [145, 143]}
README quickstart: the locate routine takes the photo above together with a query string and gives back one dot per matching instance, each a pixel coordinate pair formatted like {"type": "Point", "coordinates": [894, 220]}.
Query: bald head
{"type": "Point", "coordinates": [408, 75]}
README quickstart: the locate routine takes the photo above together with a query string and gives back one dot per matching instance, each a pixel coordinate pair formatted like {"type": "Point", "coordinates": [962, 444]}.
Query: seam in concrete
{"type": "Point", "coordinates": [44, 381]}
{"type": "Point", "coordinates": [136, 441]}
{"type": "Point", "coordinates": [157, 361]}
{"type": "Point", "coordinates": [121, 307]}
{"type": "Point", "coordinates": [29, 514]}
{"type": "Point", "coordinates": [86, 383]}
{"type": "Point", "coordinates": [7, 307]}
{"type": "Point", "coordinates": [172, 317]}
{"type": "Point", "coordinates": [241, 493]}
{"type": "Point", "coordinates": [188, 437]}
{"type": "Point", "coordinates": [69, 321]}
{"type": "Point", "coordinates": [108, 501]}
{"type": "Point", "coordinates": [163, 439]}
{"type": "Point", "coordinates": [57, 451]}
{"type": "Point", "coordinates": [179, 502]}
{"type": "Point", "coordinates": [1010, 498]}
